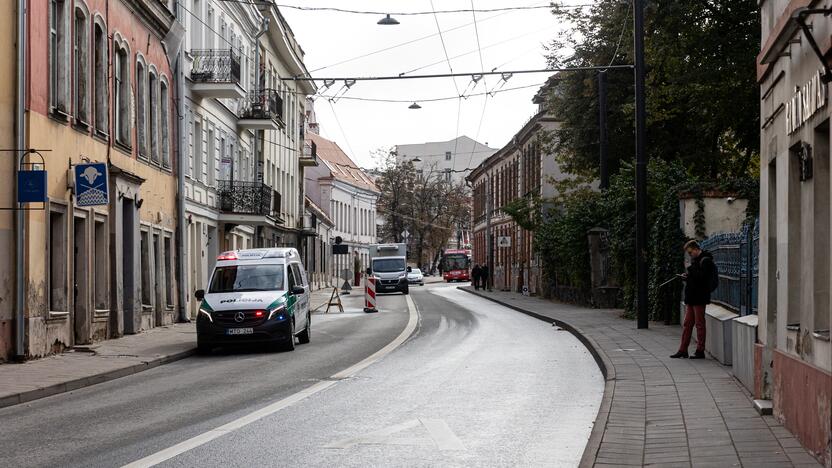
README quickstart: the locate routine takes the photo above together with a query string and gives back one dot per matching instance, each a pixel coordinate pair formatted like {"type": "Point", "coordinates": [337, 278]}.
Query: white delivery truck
{"type": "Point", "coordinates": [388, 264]}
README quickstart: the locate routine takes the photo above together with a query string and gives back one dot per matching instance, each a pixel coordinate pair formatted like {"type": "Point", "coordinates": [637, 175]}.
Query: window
{"type": "Point", "coordinates": [80, 70]}
{"type": "Point", "coordinates": [100, 76]}
{"type": "Point", "coordinates": [247, 278]}
{"type": "Point", "coordinates": [164, 106]}
{"type": "Point", "coordinates": [58, 55]}
{"type": "Point", "coordinates": [197, 172]}
{"type": "Point", "coordinates": [101, 264]}
{"type": "Point", "coordinates": [57, 260]}
{"type": "Point", "coordinates": [212, 164]}
{"type": "Point", "coordinates": [209, 25]}
{"type": "Point", "coordinates": [146, 268]}
{"type": "Point", "coordinates": [447, 175]}
{"type": "Point", "coordinates": [153, 106]}
{"type": "Point", "coordinates": [141, 108]}
{"type": "Point", "coordinates": [122, 97]}
{"type": "Point", "coordinates": [447, 155]}
{"type": "Point", "coordinates": [196, 25]}
{"type": "Point", "coordinates": [290, 272]}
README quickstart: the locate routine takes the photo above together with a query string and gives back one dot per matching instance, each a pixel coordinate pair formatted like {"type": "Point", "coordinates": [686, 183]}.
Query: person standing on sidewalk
{"type": "Point", "coordinates": [484, 276]}
{"type": "Point", "coordinates": [475, 276]}
{"type": "Point", "coordinates": [699, 282]}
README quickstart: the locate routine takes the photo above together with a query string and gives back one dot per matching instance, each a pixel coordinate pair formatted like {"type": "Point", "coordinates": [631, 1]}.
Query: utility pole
{"type": "Point", "coordinates": [488, 241]}
{"type": "Point", "coordinates": [641, 168]}
{"type": "Point", "coordinates": [602, 121]}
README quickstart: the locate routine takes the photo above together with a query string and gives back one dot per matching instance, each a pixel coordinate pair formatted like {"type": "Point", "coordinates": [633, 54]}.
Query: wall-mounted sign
{"type": "Point", "coordinates": [805, 102]}
{"type": "Point", "coordinates": [31, 186]}
{"type": "Point", "coordinates": [91, 186]}
{"type": "Point", "coordinates": [504, 241]}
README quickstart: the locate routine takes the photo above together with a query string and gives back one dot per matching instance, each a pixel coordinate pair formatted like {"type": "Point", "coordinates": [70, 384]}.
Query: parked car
{"type": "Point", "coordinates": [415, 277]}
{"type": "Point", "coordinates": [255, 296]}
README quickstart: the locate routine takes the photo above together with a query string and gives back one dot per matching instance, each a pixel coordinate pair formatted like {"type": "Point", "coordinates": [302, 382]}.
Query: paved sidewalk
{"type": "Point", "coordinates": [100, 362]}
{"type": "Point", "coordinates": [658, 411]}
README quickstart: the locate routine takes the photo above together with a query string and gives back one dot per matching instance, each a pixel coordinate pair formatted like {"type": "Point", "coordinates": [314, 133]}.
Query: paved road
{"type": "Point", "coordinates": [475, 384]}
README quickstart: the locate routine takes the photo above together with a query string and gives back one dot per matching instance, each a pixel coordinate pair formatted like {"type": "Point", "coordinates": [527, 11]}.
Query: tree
{"type": "Point", "coordinates": [702, 95]}
{"type": "Point", "coordinates": [426, 205]}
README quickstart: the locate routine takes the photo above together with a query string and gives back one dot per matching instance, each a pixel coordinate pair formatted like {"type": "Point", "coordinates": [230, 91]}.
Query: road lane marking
{"type": "Point", "coordinates": [438, 430]}
{"type": "Point", "coordinates": [208, 436]}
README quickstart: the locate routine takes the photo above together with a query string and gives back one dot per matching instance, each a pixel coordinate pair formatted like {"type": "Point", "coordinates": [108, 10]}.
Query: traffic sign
{"type": "Point", "coordinates": [91, 185]}
{"type": "Point", "coordinates": [504, 241]}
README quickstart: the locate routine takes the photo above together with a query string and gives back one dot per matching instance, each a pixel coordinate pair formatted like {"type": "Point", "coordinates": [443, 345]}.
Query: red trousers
{"type": "Point", "coordinates": [693, 314]}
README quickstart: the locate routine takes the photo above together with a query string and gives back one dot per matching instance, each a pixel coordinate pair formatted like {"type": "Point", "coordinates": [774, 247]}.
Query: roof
{"type": "Point", "coordinates": [318, 211]}
{"type": "Point", "coordinates": [339, 164]}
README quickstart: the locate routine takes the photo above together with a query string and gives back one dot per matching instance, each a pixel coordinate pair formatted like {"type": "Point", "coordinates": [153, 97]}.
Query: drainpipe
{"type": "Point", "coordinates": [20, 143]}
{"type": "Point", "coordinates": [180, 182]}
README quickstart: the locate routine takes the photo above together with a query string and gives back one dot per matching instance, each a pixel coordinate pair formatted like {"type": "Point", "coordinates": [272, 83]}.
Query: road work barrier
{"type": "Point", "coordinates": [370, 295]}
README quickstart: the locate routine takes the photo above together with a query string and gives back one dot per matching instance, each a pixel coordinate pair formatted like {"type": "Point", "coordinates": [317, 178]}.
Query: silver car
{"type": "Point", "coordinates": [415, 277]}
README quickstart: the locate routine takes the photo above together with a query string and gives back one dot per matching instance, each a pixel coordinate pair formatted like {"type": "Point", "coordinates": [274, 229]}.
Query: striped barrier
{"type": "Point", "coordinates": [370, 295]}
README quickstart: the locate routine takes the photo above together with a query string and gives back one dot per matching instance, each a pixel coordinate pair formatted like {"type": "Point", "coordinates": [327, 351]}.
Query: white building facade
{"type": "Point", "coordinates": [244, 140]}
{"type": "Point", "coordinates": [453, 159]}
{"type": "Point", "coordinates": [349, 198]}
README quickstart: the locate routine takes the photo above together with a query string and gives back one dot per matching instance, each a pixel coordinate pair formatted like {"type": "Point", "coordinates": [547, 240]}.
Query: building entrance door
{"type": "Point", "coordinates": [80, 265]}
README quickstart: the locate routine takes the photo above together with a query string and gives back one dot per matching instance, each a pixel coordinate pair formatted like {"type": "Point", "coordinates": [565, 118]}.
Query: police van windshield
{"type": "Point", "coordinates": [388, 265]}
{"type": "Point", "coordinates": [240, 278]}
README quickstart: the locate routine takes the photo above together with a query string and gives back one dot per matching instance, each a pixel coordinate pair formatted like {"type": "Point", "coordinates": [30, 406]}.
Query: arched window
{"type": "Point", "coordinates": [80, 70]}
{"type": "Point", "coordinates": [153, 106]}
{"type": "Point", "coordinates": [141, 107]}
{"type": "Point", "coordinates": [58, 56]}
{"type": "Point", "coordinates": [164, 124]}
{"type": "Point", "coordinates": [121, 84]}
{"type": "Point", "coordinates": [100, 98]}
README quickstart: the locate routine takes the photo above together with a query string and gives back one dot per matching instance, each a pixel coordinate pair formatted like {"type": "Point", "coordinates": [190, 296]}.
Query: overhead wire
{"type": "Point", "coordinates": [485, 85]}
{"type": "Point", "coordinates": [418, 13]}
{"type": "Point", "coordinates": [343, 133]}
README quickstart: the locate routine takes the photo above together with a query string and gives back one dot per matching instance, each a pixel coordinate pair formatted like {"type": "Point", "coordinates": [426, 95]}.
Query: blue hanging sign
{"type": "Point", "coordinates": [31, 187]}
{"type": "Point", "coordinates": [91, 185]}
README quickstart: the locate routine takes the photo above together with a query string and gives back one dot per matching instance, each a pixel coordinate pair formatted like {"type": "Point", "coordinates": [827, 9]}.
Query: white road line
{"type": "Point", "coordinates": [205, 437]}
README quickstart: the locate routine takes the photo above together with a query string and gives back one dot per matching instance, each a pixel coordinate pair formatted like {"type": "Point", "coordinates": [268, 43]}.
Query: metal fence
{"type": "Point", "coordinates": [736, 255]}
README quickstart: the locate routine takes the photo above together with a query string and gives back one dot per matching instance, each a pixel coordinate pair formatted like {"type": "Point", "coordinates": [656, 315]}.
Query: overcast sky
{"type": "Point", "coordinates": [509, 40]}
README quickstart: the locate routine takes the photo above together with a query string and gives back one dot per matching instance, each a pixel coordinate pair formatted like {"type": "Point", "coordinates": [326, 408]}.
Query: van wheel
{"type": "Point", "coordinates": [304, 336]}
{"type": "Point", "coordinates": [289, 345]}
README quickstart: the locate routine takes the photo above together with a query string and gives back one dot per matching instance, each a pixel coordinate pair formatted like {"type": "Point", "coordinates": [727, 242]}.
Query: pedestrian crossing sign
{"type": "Point", "coordinates": [91, 184]}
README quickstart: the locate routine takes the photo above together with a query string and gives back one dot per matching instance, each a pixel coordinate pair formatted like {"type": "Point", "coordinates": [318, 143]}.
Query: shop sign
{"type": "Point", "coordinates": [806, 101]}
{"type": "Point", "coordinates": [91, 185]}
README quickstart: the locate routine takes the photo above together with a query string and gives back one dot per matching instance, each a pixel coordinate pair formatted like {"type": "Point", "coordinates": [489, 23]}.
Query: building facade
{"type": "Point", "coordinates": [452, 159]}
{"type": "Point", "coordinates": [245, 146]}
{"type": "Point", "coordinates": [520, 170]}
{"type": "Point", "coordinates": [348, 197]}
{"type": "Point", "coordinates": [98, 88]}
{"type": "Point", "coordinates": [794, 354]}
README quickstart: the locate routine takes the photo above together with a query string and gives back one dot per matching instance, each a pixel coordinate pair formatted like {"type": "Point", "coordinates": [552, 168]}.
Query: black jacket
{"type": "Point", "coordinates": [475, 272]}
{"type": "Point", "coordinates": [484, 272]}
{"type": "Point", "coordinates": [698, 282]}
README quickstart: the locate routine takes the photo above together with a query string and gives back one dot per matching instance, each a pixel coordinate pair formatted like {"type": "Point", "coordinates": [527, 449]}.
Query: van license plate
{"type": "Point", "coordinates": [239, 331]}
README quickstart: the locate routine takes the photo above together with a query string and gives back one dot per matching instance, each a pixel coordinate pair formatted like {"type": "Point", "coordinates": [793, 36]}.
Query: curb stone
{"type": "Point", "coordinates": [601, 359]}
{"type": "Point", "coordinates": [64, 387]}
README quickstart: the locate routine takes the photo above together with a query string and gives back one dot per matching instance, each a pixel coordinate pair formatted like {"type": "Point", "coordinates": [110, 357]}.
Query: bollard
{"type": "Point", "coordinates": [370, 295]}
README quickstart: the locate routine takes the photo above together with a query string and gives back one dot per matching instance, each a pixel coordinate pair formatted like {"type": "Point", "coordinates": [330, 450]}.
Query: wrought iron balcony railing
{"type": "Point", "coordinates": [263, 104]}
{"type": "Point", "coordinates": [245, 197]}
{"type": "Point", "coordinates": [215, 66]}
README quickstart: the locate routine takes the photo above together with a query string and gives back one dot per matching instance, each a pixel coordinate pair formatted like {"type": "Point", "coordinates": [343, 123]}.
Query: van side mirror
{"type": "Point", "coordinates": [199, 294]}
{"type": "Point", "coordinates": [369, 271]}
{"type": "Point", "coordinates": [297, 290]}
{"type": "Point", "coordinates": [409, 269]}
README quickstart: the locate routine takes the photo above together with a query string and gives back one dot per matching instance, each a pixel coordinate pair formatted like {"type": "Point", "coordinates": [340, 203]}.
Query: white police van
{"type": "Point", "coordinates": [255, 296]}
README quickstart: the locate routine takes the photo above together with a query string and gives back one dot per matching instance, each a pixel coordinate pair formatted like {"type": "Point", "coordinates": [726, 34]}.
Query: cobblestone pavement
{"type": "Point", "coordinates": [659, 411]}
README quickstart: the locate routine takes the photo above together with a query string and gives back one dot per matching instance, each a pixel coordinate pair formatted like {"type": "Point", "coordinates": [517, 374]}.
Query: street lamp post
{"type": "Point", "coordinates": [641, 168]}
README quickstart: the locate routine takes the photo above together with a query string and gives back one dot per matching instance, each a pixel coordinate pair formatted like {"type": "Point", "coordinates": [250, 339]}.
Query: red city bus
{"type": "Point", "coordinates": [456, 265]}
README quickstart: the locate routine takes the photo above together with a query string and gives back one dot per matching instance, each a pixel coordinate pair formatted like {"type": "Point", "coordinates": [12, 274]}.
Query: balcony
{"type": "Point", "coordinates": [247, 203]}
{"type": "Point", "coordinates": [309, 158]}
{"type": "Point", "coordinates": [262, 110]}
{"type": "Point", "coordinates": [216, 74]}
